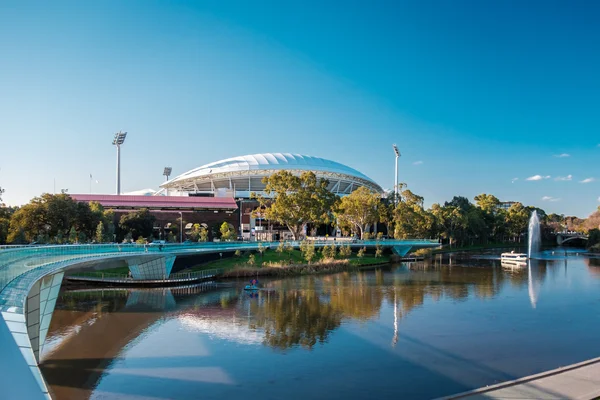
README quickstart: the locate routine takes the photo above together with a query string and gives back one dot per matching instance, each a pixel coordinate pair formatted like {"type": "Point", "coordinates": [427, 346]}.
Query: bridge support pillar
{"type": "Point", "coordinates": [401, 250]}
{"type": "Point", "coordinates": [39, 308]}
{"type": "Point", "coordinates": [153, 268]}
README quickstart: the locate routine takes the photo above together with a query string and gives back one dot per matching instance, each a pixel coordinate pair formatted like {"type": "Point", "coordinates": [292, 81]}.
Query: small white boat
{"type": "Point", "coordinates": [513, 258]}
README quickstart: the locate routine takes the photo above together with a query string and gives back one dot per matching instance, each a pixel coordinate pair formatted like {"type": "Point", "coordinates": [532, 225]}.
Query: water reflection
{"type": "Point", "coordinates": [304, 313]}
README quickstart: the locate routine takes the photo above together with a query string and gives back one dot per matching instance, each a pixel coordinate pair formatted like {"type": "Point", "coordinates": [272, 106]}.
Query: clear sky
{"type": "Point", "coordinates": [475, 93]}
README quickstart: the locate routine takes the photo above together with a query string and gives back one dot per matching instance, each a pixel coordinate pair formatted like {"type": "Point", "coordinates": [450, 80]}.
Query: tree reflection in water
{"type": "Point", "coordinates": [304, 311]}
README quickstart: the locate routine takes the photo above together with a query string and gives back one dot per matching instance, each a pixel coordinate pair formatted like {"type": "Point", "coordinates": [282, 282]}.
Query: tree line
{"type": "Point", "coordinates": [299, 203]}
{"type": "Point", "coordinates": [58, 219]}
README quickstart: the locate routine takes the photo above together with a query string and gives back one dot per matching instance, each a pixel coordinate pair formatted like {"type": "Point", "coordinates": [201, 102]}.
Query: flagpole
{"type": "Point", "coordinates": [90, 183]}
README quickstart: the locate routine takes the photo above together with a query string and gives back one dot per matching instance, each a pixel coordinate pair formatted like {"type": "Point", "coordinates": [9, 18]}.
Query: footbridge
{"type": "Point", "coordinates": [562, 238]}
{"type": "Point", "coordinates": [31, 277]}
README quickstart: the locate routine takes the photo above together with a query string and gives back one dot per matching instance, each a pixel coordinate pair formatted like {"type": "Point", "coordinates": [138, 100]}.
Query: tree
{"type": "Point", "coordinates": [5, 216]}
{"type": "Point", "coordinates": [487, 202]}
{"type": "Point", "coordinates": [48, 215]}
{"type": "Point", "coordinates": [296, 201]}
{"type": "Point", "coordinates": [100, 234]}
{"type": "Point", "coordinates": [516, 220]}
{"type": "Point", "coordinates": [358, 210]}
{"type": "Point", "coordinates": [411, 219]}
{"type": "Point", "coordinates": [308, 250]}
{"type": "Point", "coordinates": [345, 251]}
{"type": "Point", "coordinates": [138, 223]}
{"type": "Point", "coordinates": [203, 235]}
{"type": "Point", "coordinates": [450, 219]}
{"type": "Point", "coordinates": [459, 202]}
{"type": "Point", "coordinates": [227, 231]}
{"type": "Point", "coordinates": [328, 251]}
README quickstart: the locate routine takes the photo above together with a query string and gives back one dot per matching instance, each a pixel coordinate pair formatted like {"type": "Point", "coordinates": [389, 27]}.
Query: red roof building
{"type": "Point", "coordinates": [179, 203]}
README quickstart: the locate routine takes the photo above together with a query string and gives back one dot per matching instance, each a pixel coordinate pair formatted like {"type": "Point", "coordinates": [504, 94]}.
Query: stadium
{"type": "Point", "coordinates": [238, 177]}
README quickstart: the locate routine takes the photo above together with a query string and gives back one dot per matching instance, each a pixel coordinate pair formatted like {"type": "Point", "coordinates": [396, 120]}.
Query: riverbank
{"type": "Point", "coordinates": [272, 263]}
{"type": "Point", "coordinates": [330, 267]}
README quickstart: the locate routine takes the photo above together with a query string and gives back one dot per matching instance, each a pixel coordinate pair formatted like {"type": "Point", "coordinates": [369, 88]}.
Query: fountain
{"type": "Point", "coordinates": [534, 235]}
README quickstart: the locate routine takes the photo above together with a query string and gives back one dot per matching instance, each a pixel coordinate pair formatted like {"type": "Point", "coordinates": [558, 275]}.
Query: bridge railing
{"type": "Point", "coordinates": [179, 276]}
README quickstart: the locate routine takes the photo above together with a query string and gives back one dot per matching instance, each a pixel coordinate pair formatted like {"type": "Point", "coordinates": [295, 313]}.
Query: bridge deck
{"type": "Point", "coordinates": [133, 282]}
{"type": "Point", "coordinates": [577, 381]}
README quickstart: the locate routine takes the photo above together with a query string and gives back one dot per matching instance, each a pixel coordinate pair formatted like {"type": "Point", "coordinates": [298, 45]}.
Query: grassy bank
{"type": "Point", "coordinates": [282, 264]}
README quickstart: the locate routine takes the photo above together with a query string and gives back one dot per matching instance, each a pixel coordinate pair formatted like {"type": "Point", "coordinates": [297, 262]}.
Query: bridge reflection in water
{"type": "Point", "coordinates": [298, 312]}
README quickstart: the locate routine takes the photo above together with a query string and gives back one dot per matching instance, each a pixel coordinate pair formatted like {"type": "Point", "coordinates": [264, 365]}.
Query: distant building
{"type": "Point", "coordinates": [505, 205]}
{"type": "Point", "coordinates": [207, 211]}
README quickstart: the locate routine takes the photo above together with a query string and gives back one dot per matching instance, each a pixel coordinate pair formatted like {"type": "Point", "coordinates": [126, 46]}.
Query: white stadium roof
{"type": "Point", "coordinates": [256, 166]}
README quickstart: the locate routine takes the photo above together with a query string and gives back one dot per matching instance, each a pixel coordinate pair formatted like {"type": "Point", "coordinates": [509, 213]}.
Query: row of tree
{"type": "Point", "coordinates": [295, 202]}
{"type": "Point", "coordinates": [299, 201]}
{"type": "Point", "coordinates": [60, 219]}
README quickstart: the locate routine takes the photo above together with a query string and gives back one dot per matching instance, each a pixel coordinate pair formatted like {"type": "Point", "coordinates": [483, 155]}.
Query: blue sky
{"type": "Point", "coordinates": [474, 93]}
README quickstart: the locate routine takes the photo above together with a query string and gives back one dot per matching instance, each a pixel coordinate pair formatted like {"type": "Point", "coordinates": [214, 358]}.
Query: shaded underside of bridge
{"type": "Point", "coordinates": [31, 278]}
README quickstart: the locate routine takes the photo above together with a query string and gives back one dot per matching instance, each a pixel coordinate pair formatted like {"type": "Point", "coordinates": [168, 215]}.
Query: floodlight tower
{"type": "Point", "coordinates": [396, 189]}
{"type": "Point", "coordinates": [167, 173]}
{"type": "Point", "coordinates": [118, 141]}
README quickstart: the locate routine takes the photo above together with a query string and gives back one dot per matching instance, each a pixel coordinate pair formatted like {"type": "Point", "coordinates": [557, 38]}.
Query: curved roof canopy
{"type": "Point", "coordinates": [261, 163]}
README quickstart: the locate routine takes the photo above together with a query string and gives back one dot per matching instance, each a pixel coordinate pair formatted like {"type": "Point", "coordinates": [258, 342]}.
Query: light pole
{"type": "Point", "coordinates": [396, 189]}
{"type": "Point", "coordinates": [180, 227]}
{"type": "Point", "coordinates": [118, 141]}
{"type": "Point", "coordinates": [241, 211]}
{"type": "Point", "coordinates": [167, 173]}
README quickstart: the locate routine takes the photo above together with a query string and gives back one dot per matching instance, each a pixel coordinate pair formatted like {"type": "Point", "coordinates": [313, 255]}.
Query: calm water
{"type": "Point", "coordinates": [414, 331]}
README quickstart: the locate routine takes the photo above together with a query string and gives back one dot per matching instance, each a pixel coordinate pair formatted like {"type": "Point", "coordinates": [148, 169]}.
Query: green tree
{"type": "Point", "coordinates": [203, 235]}
{"type": "Point", "coordinates": [451, 220]}
{"type": "Point", "coordinates": [51, 215]}
{"type": "Point", "coordinates": [411, 219]}
{"type": "Point", "coordinates": [73, 235]}
{"type": "Point", "coordinates": [100, 234]}
{"type": "Point", "coordinates": [280, 248]}
{"type": "Point", "coordinates": [308, 250]}
{"type": "Point", "coordinates": [378, 251]}
{"type": "Point", "coordinates": [359, 210]}
{"type": "Point", "coordinates": [227, 231]}
{"type": "Point", "coordinates": [345, 251]}
{"type": "Point", "coordinates": [517, 219]}
{"type": "Point", "coordinates": [361, 252]}
{"type": "Point", "coordinates": [329, 251]}
{"type": "Point", "coordinates": [297, 201]}
{"type": "Point", "coordinates": [487, 202]}
{"type": "Point", "coordinates": [5, 216]}
{"type": "Point", "coordinates": [138, 223]}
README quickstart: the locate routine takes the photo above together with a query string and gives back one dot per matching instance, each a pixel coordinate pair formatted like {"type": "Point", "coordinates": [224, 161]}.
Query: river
{"type": "Point", "coordinates": [410, 331]}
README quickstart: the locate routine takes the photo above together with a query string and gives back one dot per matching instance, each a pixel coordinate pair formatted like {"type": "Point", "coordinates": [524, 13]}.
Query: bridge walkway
{"type": "Point", "coordinates": [577, 381]}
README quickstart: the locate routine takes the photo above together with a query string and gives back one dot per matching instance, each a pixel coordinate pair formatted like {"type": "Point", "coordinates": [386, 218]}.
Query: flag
{"type": "Point", "coordinates": [97, 181]}
{"type": "Point", "coordinates": [90, 176]}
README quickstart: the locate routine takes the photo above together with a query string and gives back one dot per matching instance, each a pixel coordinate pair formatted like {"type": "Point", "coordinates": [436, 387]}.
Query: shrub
{"type": "Point", "coordinates": [328, 251]}
{"type": "Point", "coordinates": [251, 260]}
{"type": "Point", "coordinates": [378, 251]}
{"type": "Point", "coordinates": [280, 248]}
{"type": "Point", "coordinates": [361, 252]}
{"type": "Point", "coordinates": [345, 251]}
{"type": "Point", "coordinates": [308, 250]}
{"type": "Point", "coordinates": [238, 253]}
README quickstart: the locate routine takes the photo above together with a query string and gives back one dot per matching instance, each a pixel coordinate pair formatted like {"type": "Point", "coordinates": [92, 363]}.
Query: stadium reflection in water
{"type": "Point", "coordinates": [417, 330]}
